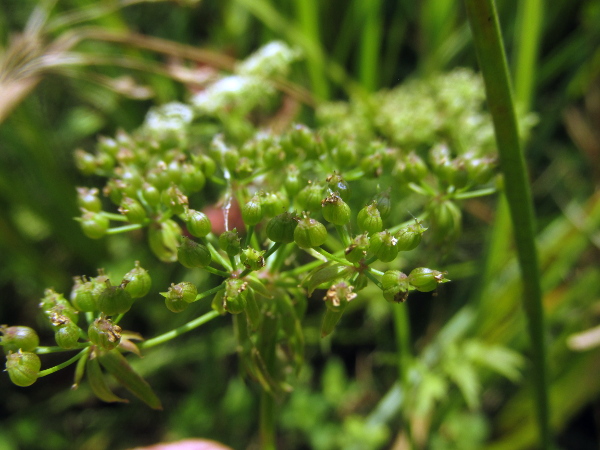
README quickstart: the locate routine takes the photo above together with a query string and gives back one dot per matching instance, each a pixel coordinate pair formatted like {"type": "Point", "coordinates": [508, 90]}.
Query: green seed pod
{"type": "Point", "coordinates": [158, 176]}
{"type": "Point", "coordinates": [179, 296]}
{"type": "Point", "coordinates": [18, 338]}
{"type": "Point", "coordinates": [274, 157]}
{"type": "Point", "coordinates": [358, 249]}
{"type": "Point", "coordinates": [218, 302]}
{"type": "Point", "coordinates": [252, 212]}
{"type": "Point", "coordinates": [371, 165]}
{"type": "Point", "coordinates": [192, 178]}
{"type": "Point", "coordinates": [94, 225]}
{"type": "Point", "coordinates": [236, 291]}
{"type": "Point", "coordinates": [310, 197]}
{"type": "Point", "coordinates": [197, 223]}
{"type": "Point", "coordinates": [139, 281]}
{"type": "Point", "coordinates": [104, 333]}
{"type": "Point", "coordinates": [281, 228]}
{"type": "Point", "coordinates": [114, 299]}
{"type": "Point", "coordinates": [163, 238]}
{"type": "Point", "coordinates": [395, 286]}
{"type": "Point", "coordinates": [338, 296]}
{"type": "Point", "coordinates": [384, 204]}
{"type": "Point", "coordinates": [229, 241]}
{"type": "Point", "coordinates": [231, 158]}
{"type": "Point", "coordinates": [206, 164]}
{"type": "Point", "coordinates": [330, 320]}
{"type": "Point", "coordinates": [415, 169]}
{"type": "Point", "coordinates": [85, 162]}
{"type": "Point", "coordinates": [133, 210]}
{"type": "Point", "coordinates": [310, 233]}
{"type": "Point", "coordinates": [191, 254]}
{"type": "Point", "coordinates": [445, 219]}
{"type": "Point", "coordinates": [56, 307]}
{"type": "Point", "coordinates": [174, 199]}
{"type": "Point", "coordinates": [174, 168]}
{"type": "Point", "coordinates": [480, 169]}
{"type": "Point", "coordinates": [384, 246]}
{"type": "Point", "coordinates": [360, 282]}
{"type": "Point", "coordinates": [344, 154]}
{"type": "Point", "coordinates": [82, 295]}
{"type": "Point", "coordinates": [335, 210]}
{"type": "Point", "coordinates": [409, 237]}
{"type": "Point", "coordinates": [293, 182]}
{"type": "Point", "coordinates": [23, 368]}
{"type": "Point", "coordinates": [67, 335]}
{"type": "Point", "coordinates": [369, 219]}
{"type": "Point", "coordinates": [151, 194]}
{"type": "Point", "coordinates": [303, 138]}
{"type": "Point", "coordinates": [88, 199]}
{"type": "Point", "coordinates": [273, 204]}
{"type": "Point", "coordinates": [252, 259]}
{"type": "Point", "coordinates": [338, 185]}
{"type": "Point", "coordinates": [425, 280]}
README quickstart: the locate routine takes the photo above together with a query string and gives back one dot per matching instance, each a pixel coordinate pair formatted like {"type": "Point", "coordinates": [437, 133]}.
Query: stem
{"type": "Point", "coordinates": [60, 366]}
{"type": "Point", "coordinates": [267, 421]}
{"type": "Point", "coordinates": [112, 216]}
{"type": "Point", "coordinates": [273, 248]}
{"type": "Point", "coordinates": [344, 236]}
{"type": "Point", "coordinates": [328, 255]}
{"type": "Point", "coordinates": [402, 332]}
{"type": "Point", "coordinates": [180, 330]}
{"type": "Point", "coordinates": [209, 292]}
{"type": "Point", "coordinates": [474, 194]}
{"type": "Point", "coordinates": [125, 228]}
{"type": "Point", "coordinates": [214, 271]}
{"type": "Point", "coordinates": [56, 349]}
{"type": "Point", "coordinates": [490, 53]}
{"type": "Point", "coordinates": [373, 279]}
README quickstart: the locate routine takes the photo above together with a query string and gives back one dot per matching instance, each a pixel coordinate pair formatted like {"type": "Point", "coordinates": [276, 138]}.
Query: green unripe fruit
{"type": "Point", "coordinates": [104, 333]}
{"type": "Point", "coordinates": [83, 297]}
{"type": "Point", "coordinates": [384, 204]}
{"type": "Point", "coordinates": [163, 238]}
{"type": "Point", "coordinates": [88, 199]}
{"type": "Point", "coordinates": [338, 185]}
{"type": "Point", "coordinates": [191, 254]}
{"type": "Point", "coordinates": [133, 210]}
{"type": "Point", "coordinates": [310, 233]}
{"type": "Point", "coordinates": [281, 228]}
{"type": "Point", "coordinates": [358, 249]}
{"type": "Point", "coordinates": [218, 302]}
{"type": "Point", "coordinates": [369, 219]}
{"type": "Point", "coordinates": [480, 170]}
{"type": "Point", "coordinates": [23, 368]}
{"type": "Point", "coordinates": [395, 286]}
{"type": "Point", "coordinates": [114, 300]}
{"type": "Point", "coordinates": [252, 259]}
{"type": "Point", "coordinates": [252, 212]}
{"type": "Point", "coordinates": [335, 210]}
{"type": "Point", "coordinates": [445, 219]}
{"type": "Point", "coordinates": [273, 204]}
{"type": "Point", "coordinates": [292, 182]}
{"type": "Point", "coordinates": [425, 280]}
{"type": "Point", "coordinates": [197, 223]}
{"type": "Point", "coordinates": [235, 300]}
{"type": "Point", "coordinates": [85, 162]}
{"type": "Point", "coordinates": [94, 225]}
{"type": "Point", "coordinates": [360, 282]}
{"type": "Point", "coordinates": [384, 246]}
{"type": "Point", "coordinates": [174, 199]}
{"type": "Point", "coordinates": [158, 176]}
{"type": "Point", "coordinates": [192, 179]}
{"type": "Point", "coordinates": [139, 281]}
{"type": "Point", "coordinates": [206, 163]}
{"type": "Point", "coordinates": [151, 194]}
{"type": "Point", "coordinates": [229, 241]}
{"type": "Point", "coordinates": [67, 335]}
{"type": "Point", "coordinates": [180, 295]}
{"type": "Point", "coordinates": [18, 338]}
{"type": "Point", "coordinates": [55, 306]}
{"type": "Point", "coordinates": [310, 197]}
{"type": "Point", "coordinates": [409, 237]}
{"type": "Point", "coordinates": [415, 168]}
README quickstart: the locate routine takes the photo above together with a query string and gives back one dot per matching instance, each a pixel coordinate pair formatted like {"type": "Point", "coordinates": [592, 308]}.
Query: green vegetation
{"type": "Point", "coordinates": [313, 220]}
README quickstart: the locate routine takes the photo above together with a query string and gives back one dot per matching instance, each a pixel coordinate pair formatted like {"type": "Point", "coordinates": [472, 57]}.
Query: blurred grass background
{"type": "Point", "coordinates": [346, 397]}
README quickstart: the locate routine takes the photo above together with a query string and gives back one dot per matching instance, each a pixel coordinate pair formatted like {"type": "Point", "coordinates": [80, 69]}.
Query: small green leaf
{"type": "Point", "coordinates": [116, 364]}
{"type": "Point", "coordinates": [324, 274]}
{"type": "Point", "coordinates": [98, 383]}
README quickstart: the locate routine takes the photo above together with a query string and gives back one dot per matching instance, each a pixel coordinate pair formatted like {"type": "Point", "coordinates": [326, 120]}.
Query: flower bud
{"type": "Point", "coordinates": [23, 368]}
{"type": "Point", "coordinates": [358, 248]}
{"type": "Point", "coordinates": [133, 210]}
{"type": "Point", "coordinates": [18, 338]}
{"type": "Point", "coordinates": [395, 286]}
{"type": "Point", "coordinates": [197, 223]}
{"type": "Point", "coordinates": [82, 295]}
{"type": "Point", "coordinates": [67, 335]}
{"type": "Point", "coordinates": [229, 241]}
{"type": "Point", "coordinates": [384, 246]}
{"type": "Point", "coordinates": [338, 185]}
{"type": "Point", "coordinates": [94, 225]}
{"type": "Point", "coordinates": [310, 197]}
{"type": "Point", "coordinates": [252, 212]}
{"type": "Point", "coordinates": [310, 233]}
{"type": "Point", "coordinates": [338, 296]}
{"type": "Point", "coordinates": [191, 254]}
{"type": "Point", "coordinates": [139, 281]}
{"type": "Point", "coordinates": [252, 259]}
{"type": "Point", "coordinates": [426, 280]}
{"type": "Point", "coordinates": [192, 178]}
{"type": "Point", "coordinates": [236, 291]}
{"type": "Point", "coordinates": [335, 210]}
{"type": "Point", "coordinates": [281, 228]}
{"type": "Point", "coordinates": [369, 219]}
{"type": "Point", "coordinates": [88, 199]}
{"type": "Point", "coordinates": [114, 299]}
{"type": "Point", "coordinates": [409, 237]}
{"type": "Point", "coordinates": [104, 333]}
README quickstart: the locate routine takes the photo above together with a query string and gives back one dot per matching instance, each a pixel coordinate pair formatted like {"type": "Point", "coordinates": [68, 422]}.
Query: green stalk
{"type": "Point", "coordinates": [490, 54]}
{"type": "Point", "coordinates": [402, 332]}
{"type": "Point", "coordinates": [370, 42]}
{"type": "Point", "coordinates": [267, 421]}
